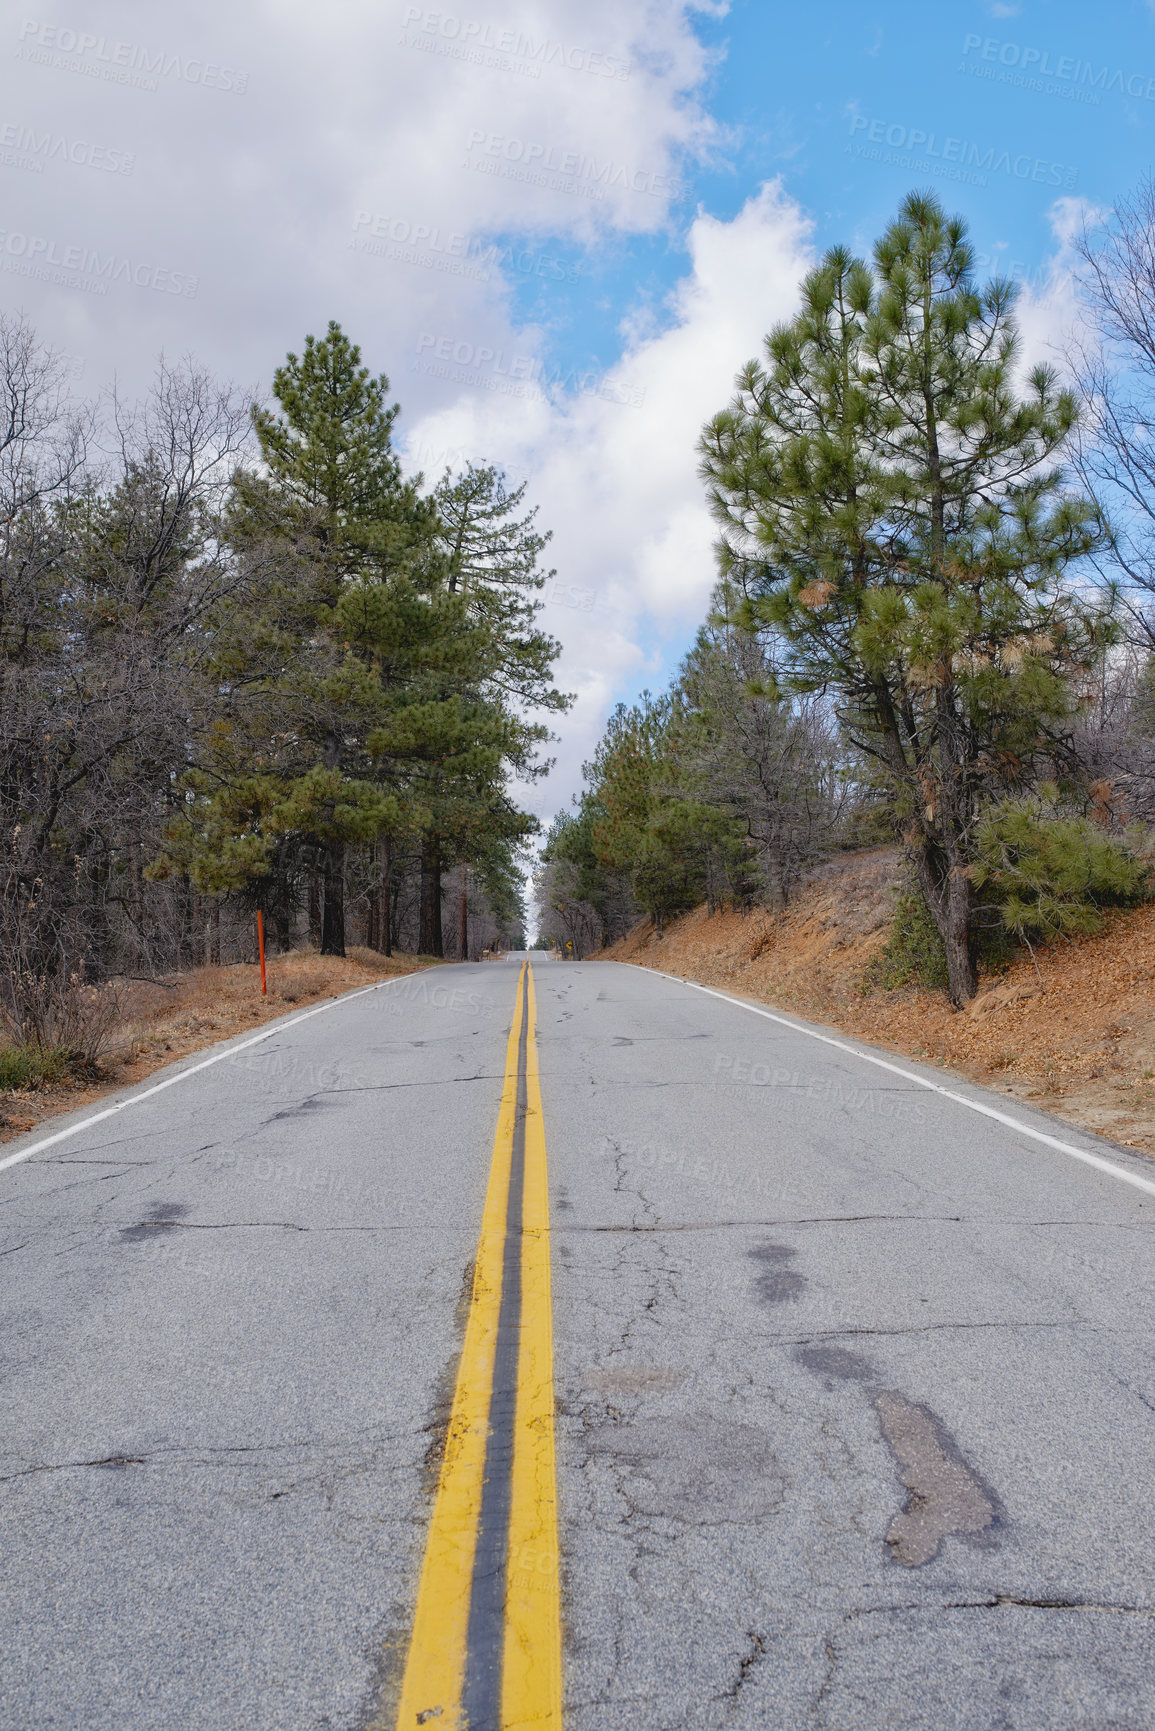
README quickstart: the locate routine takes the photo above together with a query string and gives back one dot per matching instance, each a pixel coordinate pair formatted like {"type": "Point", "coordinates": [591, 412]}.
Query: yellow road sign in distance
{"type": "Point", "coordinates": [485, 1653]}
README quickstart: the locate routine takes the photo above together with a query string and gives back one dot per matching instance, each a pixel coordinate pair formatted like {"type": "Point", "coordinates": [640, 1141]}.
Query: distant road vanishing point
{"type": "Point", "coordinates": [549, 1344]}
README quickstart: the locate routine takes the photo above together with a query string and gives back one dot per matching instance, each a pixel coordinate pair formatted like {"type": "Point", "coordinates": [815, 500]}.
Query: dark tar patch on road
{"type": "Point", "coordinates": [779, 1284]}
{"type": "Point", "coordinates": [837, 1362]}
{"type": "Point", "coordinates": [314, 1103]}
{"type": "Point", "coordinates": [163, 1217]}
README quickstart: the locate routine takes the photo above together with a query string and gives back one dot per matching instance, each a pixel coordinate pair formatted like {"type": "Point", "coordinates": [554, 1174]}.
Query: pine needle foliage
{"type": "Point", "coordinates": [914, 953]}
{"type": "Point", "coordinates": [1047, 875]}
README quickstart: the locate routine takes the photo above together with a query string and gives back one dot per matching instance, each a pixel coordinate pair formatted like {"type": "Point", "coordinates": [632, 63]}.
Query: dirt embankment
{"type": "Point", "coordinates": [1077, 1037]}
{"type": "Point", "coordinates": [162, 1020]}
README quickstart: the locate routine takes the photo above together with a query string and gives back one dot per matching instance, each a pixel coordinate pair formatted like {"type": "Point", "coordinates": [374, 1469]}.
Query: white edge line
{"type": "Point", "coordinates": [277, 1027]}
{"type": "Point", "coordinates": [922, 1081]}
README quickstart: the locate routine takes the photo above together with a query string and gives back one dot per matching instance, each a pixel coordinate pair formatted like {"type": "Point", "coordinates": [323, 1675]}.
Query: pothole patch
{"type": "Point", "coordinates": [695, 1468]}
{"type": "Point", "coordinates": [634, 1379]}
{"type": "Point", "coordinates": [163, 1217]}
{"type": "Point", "coordinates": [945, 1494]}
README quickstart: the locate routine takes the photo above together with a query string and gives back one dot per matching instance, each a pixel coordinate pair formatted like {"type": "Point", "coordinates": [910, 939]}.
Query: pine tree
{"type": "Point", "coordinates": [378, 686]}
{"type": "Point", "coordinates": [491, 555]}
{"type": "Point", "coordinates": [492, 566]}
{"type": "Point", "coordinates": [896, 514]}
{"type": "Point", "coordinates": [1049, 874]}
{"type": "Point", "coordinates": [493, 562]}
{"type": "Point", "coordinates": [329, 663]}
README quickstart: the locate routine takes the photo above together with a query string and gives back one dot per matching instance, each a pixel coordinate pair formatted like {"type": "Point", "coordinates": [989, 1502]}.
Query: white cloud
{"type": "Point", "coordinates": [1048, 308]}
{"type": "Point", "coordinates": [617, 480]}
{"type": "Point", "coordinates": [249, 195]}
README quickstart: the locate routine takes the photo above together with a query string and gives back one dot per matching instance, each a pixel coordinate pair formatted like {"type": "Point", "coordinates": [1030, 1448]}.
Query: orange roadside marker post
{"type": "Point", "coordinates": [261, 947]}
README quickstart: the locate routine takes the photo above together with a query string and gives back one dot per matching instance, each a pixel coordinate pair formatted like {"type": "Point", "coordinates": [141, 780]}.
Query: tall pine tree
{"type": "Point", "coordinates": [894, 507]}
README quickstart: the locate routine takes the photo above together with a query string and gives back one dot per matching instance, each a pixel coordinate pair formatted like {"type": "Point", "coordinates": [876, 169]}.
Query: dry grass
{"type": "Point", "coordinates": [162, 1020]}
{"type": "Point", "coordinates": [1078, 1041]}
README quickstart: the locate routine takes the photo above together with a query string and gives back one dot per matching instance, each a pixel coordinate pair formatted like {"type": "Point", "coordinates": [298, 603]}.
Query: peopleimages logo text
{"type": "Point", "coordinates": [1039, 63]}
{"type": "Point", "coordinates": [962, 154]}
{"type": "Point", "coordinates": [492, 369]}
{"type": "Point", "coordinates": [542, 164]}
{"type": "Point", "coordinates": [461, 254]}
{"type": "Point", "coordinates": [123, 62]}
{"type": "Point", "coordinates": [478, 37]}
{"type": "Point", "coordinates": [34, 254]}
{"type": "Point", "coordinates": [53, 147]}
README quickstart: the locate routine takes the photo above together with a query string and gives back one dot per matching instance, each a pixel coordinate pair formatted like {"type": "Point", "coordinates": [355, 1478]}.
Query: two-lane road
{"type": "Point", "coordinates": [855, 1396]}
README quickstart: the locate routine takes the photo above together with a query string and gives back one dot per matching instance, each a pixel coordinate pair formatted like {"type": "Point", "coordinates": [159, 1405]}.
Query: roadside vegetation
{"type": "Point", "coordinates": [933, 626]}
{"type": "Point", "coordinates": [171, 1016]}
{"type": "Point", "coordinates": [246, 662]}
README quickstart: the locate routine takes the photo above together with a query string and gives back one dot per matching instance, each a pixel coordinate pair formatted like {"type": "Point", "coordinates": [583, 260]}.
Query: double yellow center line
{"type": "Point", "coordinates": [485, 1653]}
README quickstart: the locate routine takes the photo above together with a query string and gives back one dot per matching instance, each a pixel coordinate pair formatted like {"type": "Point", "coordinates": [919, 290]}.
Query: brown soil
{"type": "Point", "coordinates": [1076, 1038]}
{"type": "Point", "coordinates": [162, 1020]}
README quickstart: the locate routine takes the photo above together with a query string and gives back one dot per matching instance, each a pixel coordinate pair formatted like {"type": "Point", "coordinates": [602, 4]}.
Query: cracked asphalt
{"type": "Point", "coordinates": [856, 1399]}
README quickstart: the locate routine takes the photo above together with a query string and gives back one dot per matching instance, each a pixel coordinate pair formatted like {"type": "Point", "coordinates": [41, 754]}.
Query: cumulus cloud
{"type": "Point", "coordinates": [1048, 309]}
{"type": "Point", "coordinates": [246, 140]}
{"type": "Point", "coordinates": [615, 470]}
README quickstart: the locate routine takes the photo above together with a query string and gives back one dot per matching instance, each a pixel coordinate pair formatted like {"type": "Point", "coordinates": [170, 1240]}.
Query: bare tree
{"type": "Point", "coordinates": [114, 584]}
{"type": "Point", "coordinates": [776, 765]}
{"type": "Point", "coordinates": [564, 918]}
{"type": "Point", "coordinates": [1114, 361]}
{"type": "Point", "coordinates": [1115, 739]}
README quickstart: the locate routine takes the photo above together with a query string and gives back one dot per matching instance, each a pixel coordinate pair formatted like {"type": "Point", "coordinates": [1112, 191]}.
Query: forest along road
{"type": "Point", "coordinates": [855, 1404]}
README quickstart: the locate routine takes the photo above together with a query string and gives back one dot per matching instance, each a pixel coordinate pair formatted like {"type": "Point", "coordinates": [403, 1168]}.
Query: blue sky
{"type": "Point", "coordinates": [1001, 109]}
{"type": "Point", "coordinates": [794, 93]}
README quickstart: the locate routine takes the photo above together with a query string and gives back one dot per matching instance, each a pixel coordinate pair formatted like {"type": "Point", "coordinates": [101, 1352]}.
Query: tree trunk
{"type": "Point", "coordinates": [945, 886]}
{"type": "Point", "coordinates": [213, 936]}
{"type": "Point", "coordinates": [962, 980]}
{"type": "Point", "coordinates": [463, 918]}
{"type": "Point", "coordinates": [429, 941]}
{"type": "Point", "coordinates": [333, 901]}
{"type": "Point", "coordinates": [962, 977]}
{"type": "Point", "coordinates": [314, 906]}
{"type": "Point", "coordinates": [373, 905]}
{"type": "Point", "coordinates": [386, 891]}
{"type": "Point", "coordinates": [947, 893]}
{"type": "Point", "coordinates": [380, 897]}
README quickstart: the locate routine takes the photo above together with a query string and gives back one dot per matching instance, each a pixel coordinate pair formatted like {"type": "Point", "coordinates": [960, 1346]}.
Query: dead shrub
{"type": "Point", "coordinates": [300, 983]}
{"type": "Point", "coordinates": [48, 1013]}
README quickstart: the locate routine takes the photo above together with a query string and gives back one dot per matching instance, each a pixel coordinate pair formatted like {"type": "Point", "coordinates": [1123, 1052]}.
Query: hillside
{"type": "Point", "coordinates": [1076, 1038]}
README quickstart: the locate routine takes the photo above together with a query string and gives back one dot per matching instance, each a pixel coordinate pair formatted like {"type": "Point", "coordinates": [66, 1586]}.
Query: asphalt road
{"type": "Point", "coordinates": [855, 1389]}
